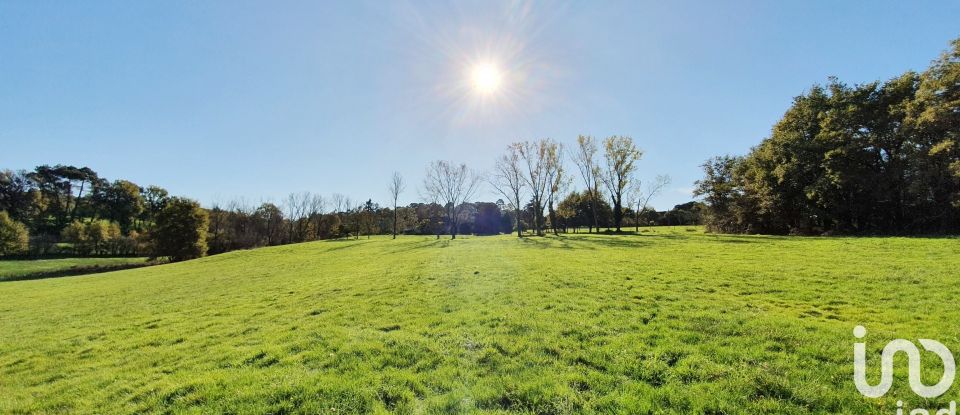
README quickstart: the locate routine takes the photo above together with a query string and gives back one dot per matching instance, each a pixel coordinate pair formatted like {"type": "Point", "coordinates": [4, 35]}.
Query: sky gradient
{"type": "Point", "coordinates": [218, 100]}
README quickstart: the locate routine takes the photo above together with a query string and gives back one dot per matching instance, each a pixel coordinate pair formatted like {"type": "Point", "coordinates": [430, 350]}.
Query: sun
{"type": "Point", "coordinates": [486, 78]}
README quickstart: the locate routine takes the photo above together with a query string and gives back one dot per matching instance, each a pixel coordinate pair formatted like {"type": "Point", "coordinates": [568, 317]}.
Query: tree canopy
{"type": "Point", "coordinates": [180, 232]}
{"type": "Point", "coordinates": [880, 157]}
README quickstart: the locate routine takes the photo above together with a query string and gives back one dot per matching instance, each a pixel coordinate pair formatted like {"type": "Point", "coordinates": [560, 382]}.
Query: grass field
{"type": "Point", "coordinates": [15, 269]}
{"type": "Point", "coordinates": [667, 321]}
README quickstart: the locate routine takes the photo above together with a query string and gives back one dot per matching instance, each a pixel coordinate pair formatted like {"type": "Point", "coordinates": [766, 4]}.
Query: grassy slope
{"type": "Point", "coordinates": [17, 268]}
{"type": "Point", "coordinates": [670, 321]}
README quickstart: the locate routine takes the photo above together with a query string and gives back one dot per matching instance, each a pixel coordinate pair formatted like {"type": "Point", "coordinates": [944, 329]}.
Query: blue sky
{"type": "Point", "coordinates": [222, 99]}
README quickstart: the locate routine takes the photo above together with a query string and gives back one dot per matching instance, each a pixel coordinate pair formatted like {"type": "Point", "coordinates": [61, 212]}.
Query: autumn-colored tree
{"type": "Point", "coordinates": [14, 238]}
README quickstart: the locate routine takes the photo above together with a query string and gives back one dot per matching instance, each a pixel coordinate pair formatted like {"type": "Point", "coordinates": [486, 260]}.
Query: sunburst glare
{"type": "Point", "coordinates": [481, 69]}
{"type": "Point", "coordinates": [486, 78]}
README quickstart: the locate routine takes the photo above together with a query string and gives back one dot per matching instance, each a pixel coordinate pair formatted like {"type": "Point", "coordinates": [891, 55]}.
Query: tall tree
{"type": "Point", "coordinates": [17, 194]}
{"type": "Point", "coordinates": [82, 178]}
{"type": "Point", "coordinates": [154, 199]}
{"type": "Point", "coordinates": [267, 225]}
{"type": "Point", "coordinates": [340, 204]}
{"type": "Point", "coordinates": [720, 191]}
{"type": "Point", "coordinates": [537, 157]}
{"type": "Point", "coordinates": [453, 185]}
{"type": "Point", "coordinates": [54, 199]}
{"type": "Point", "coordinates": [181, 231]}
{"type": "Point", "coordinates": [315, 212]}
{"type": "Point", "coordinates": [584, 156]}
{"type": "Point", "coordinates": [620, 155]}
{"type": "Point", "coordinates": [120, 202]}
{"type": "Point", "coordinates": [508, 179]}
{"type": "Point", "coordinates": [935, 115]}
{"type": "Point", "coordinates": [396, 187]}
{"type": "Point", "coordinates": [297, 206]}
{"type": "Point", "coordinates": [557, 184]}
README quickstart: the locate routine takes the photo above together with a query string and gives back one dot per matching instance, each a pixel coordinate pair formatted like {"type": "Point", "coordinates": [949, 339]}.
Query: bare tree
{"type": "Point", "coordinates": [583, 157]}
{"type": "Point", "coordinates": [621, 155]}
{"type": "Point", "coordinates": [297, 206]}
{"type": "Point", "coordinates": [507, 178]}
{"type": "Point", "coordinates": [396, 187]}
{"type": "Point", "coordinates": [536, 156]}
{"type": "Point", "coordinates": [339, 205]}
{"type": "Point", "coordinates": [643, 197]}
{"type": "Point", "coordinates": [244, 230]}
{"type": "Point", "coordinates": [315, 211]}
{"type": "Point", "coordinates": [453, 185]}
{"type": "Point", "coordinates": [558, 182]}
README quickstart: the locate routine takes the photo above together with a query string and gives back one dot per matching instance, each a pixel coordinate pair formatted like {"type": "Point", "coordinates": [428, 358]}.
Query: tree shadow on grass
{"type": "Point", "coordinates": [616, 242]}
{"type": "Point", "coordinates": [737, 239]}
{"type": "Point", "coordinates": [585, 241]}
{"type": "Point", "coordinates": [621, 240]}
{"type": "Point", "coordinates": [344, 243]}
{"type": "Point", "coordinates": [427, 243]}
{"type": "Point", "coordinates": [547, 242]}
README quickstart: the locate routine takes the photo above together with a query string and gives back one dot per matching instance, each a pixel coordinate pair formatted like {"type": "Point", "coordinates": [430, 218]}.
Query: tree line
{"type": "Point", "coordinates": [70, 210]}
{"type": "Point", "coordinates": [531, 176]}
{"type": "Point", "coordinates": [874, 158]}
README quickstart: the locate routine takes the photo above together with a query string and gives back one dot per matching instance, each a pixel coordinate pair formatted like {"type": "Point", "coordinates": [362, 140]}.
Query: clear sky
{"type": "Point", "coordinates": [222, 99]}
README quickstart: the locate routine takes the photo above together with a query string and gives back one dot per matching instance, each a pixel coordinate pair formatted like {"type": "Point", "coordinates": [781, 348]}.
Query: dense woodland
{"type": "Point", "coordinates": [876, 158]}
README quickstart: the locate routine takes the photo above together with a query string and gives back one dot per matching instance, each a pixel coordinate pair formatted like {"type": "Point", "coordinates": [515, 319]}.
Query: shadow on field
{"type": "Point", "coordinates": [617, 242]}
{"type": "Point", "coordinates": [428, 243]}
{"type": "Point", "coordinates": [344, 243]}
{"type": "Point", "coordinates": [74, 271]}
{"type": "Point", "coordinates": [747, 239]}
{"type": "Point", "coordinates": [552, 242]}
{"type": "Point", "coordinates": [661, 236]}
{"type": "Point", "coordinates": [736, 240]}
{"type": "Point", "coordinates": [593, 241]}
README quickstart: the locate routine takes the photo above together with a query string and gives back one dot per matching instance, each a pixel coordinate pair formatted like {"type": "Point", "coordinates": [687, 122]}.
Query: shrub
{"type": "Point", "coordinates": [97, 237]}
{"type": "Point", "coordinates": [14, 238]}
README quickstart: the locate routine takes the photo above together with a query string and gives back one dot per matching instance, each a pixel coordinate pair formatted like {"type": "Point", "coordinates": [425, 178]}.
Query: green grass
{"type": "Point", "coordinates": [12, 269]}
{"type": "Point", "coordinates": [666, 321]}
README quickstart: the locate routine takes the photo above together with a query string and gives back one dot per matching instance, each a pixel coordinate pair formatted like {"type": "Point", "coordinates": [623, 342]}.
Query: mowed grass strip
{"type": "Point", "coordinates": [670, 320]}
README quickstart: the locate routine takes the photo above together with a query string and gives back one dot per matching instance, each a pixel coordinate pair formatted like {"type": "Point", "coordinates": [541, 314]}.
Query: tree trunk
{"type": "Point", "coordinates": [450, 224]}
{"type": "Point", "coordinates": [516, 197]}
{"type": "Point", "coordinates": [536, 218]}
{"type": "Point", "coordinates": [617, 214]}
{"type": "Point", "coordinates": [553, 217]}
{"type": "Point", "coordinates": [593, 211]}
{"type": "Point", "coordinates": [76, 203]}
{"type": "Point", "coordinates": [519, 229]}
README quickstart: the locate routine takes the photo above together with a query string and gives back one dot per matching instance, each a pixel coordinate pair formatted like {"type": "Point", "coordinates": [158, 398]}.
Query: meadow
{"type": "Point", "coordinates": [666, 321]}
{"type": "Point", "coordinates": [41, 268]}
